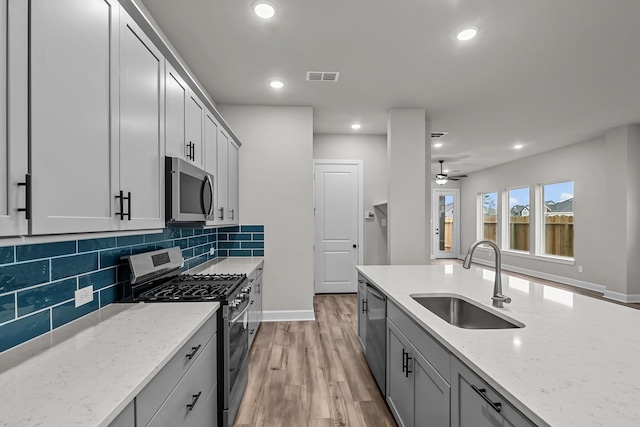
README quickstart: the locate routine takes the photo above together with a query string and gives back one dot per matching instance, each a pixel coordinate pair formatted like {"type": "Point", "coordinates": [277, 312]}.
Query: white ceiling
{"type": "Point", "coordinates": [545, 73]}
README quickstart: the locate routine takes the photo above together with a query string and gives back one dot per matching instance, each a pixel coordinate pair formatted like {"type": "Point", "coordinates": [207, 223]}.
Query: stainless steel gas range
{"type": "Point", "coordinates": [156, 277]}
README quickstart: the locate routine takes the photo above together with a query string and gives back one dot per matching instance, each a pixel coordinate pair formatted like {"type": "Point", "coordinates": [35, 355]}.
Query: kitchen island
{"type": "Point", "coordinates": [87, 372]}
{"type": "Point", "coordinates": [573, 364]}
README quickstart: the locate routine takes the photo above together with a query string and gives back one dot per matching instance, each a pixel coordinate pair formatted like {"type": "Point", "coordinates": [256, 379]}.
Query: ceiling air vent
{"type": "Point", "coordinates": [322, 76]}
{"type": "Point", "coordinates": [437, 135]}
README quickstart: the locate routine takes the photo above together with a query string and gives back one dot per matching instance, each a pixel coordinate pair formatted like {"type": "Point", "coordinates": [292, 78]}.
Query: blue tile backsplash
{"type": "Point", "coordinates": [38, 281]}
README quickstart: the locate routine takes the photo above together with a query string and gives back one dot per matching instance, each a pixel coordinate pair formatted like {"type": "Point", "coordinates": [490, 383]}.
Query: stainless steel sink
{"type": "Point", "coordinates": [463, 313]}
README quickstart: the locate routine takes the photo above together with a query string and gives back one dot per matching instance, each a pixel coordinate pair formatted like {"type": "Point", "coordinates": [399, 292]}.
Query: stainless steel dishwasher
{"type": "Point", "coordinates": [376, 348]}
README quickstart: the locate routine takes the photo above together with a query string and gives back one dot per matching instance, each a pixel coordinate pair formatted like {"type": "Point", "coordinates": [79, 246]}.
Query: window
{"type": "Point", "coordinates": [558, 219]}
{"type": "Point", "coordinates": [489, 223]}
{"type": "Point", "coordinates": [518, 227]}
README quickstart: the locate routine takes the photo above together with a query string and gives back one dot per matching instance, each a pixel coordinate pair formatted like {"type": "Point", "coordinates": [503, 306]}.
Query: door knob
{"type": "Point", "coordinates": [355, 246]}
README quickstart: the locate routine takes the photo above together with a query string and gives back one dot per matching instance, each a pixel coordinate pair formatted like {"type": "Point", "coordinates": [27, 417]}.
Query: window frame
{"type": "Point", "coordinates": [540, 237]}
{"type": "Point", "coordinates": [506, 224]}
{"type": "Point", "coordinates": [480, 216]}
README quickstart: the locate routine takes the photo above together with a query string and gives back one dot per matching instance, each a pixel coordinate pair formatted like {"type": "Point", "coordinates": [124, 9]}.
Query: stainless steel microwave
{"type": "Point", "coordinates": [189, 194]}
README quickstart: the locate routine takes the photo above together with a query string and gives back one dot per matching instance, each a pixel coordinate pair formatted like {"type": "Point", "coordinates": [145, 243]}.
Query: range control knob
{"type": "Point", "coordinates": [246, 289]}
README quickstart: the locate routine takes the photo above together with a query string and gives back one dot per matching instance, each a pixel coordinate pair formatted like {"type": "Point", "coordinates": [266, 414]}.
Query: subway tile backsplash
{"type": "Point", "coordinates": [38, 281]}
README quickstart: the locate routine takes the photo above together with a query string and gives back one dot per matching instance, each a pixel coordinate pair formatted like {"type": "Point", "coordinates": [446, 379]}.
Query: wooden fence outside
{"type": "Point", "coordinates": [558, 239]}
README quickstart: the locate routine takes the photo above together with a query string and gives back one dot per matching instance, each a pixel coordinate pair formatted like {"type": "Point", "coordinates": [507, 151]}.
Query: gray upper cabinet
{"type": "Point", "coordinates": [141, 128]}
{"type": "Point", "coordinates": [223, 180]}
{"type": "Point", "coordinates": [475, 404]}
{"type": "Point", "coordinates": [233, 182]}
{"type": "Point", "coordinates": [195, 130]}
{"type": "Point", "coordinates": [74, 115]}
{"type": "Point", "coordinates": [13, 117]}
{"type": "Point", "coordinates": [176, 94]}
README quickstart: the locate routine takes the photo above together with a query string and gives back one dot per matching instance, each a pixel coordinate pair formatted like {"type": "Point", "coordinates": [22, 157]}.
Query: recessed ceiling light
{"type": "Point", "coordinates": [356, 126]}
{"type": "Point", "coordinates": [264, 9]}
{"type": "Point", "coordinates": [437, 145]}
{"type": "Point", "coordinates": [276, 84]}
{"type": "Point", "coordinates": [466, 33]}
{"type": "Point", "coordinates": [518, 146]}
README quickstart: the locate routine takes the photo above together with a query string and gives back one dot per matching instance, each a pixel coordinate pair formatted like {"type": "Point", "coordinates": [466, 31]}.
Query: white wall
{"type": "Point", "coordinates": [372, 150]}
{"type": "Point", "coordinates": [585, 164]}
{"type": "Point", "coordinates": [276, 189]}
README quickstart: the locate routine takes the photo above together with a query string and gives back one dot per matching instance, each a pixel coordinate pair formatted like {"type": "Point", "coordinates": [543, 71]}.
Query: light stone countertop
{"type": "Point", "coordinates": [230, 265]}
{"type": "Point", "coordinates": [575, 363]}
{"type": "Point", "coordinates": [85, 373]}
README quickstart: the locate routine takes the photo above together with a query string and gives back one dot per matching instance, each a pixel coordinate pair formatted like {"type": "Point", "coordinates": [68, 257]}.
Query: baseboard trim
{"type": "Point", "coordinates": [560, 279]}
{"type": "Point", "coordinates": [617, 296]}
{"type": "Point", "coordinates": [288, 315]}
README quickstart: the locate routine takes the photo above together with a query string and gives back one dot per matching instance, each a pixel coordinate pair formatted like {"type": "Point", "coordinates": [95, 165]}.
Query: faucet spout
{"type": "Point", "coordinates": [498, 298]}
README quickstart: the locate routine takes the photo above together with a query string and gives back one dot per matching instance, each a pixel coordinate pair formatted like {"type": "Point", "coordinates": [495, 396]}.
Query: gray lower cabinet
{"type": "Point", "coordinates": [475, 404]}
{"type": "Point", "coordinates": [127, 418]}
{"type": "Point", "coordinates": [417, 395]}
{"type": "Point", "coordinates": [183, 392]}
{"type": "Point", "coordinates": [362, 311]}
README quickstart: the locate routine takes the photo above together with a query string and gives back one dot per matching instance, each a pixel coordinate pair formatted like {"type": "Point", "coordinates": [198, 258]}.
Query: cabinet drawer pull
{"type": "Point", "coordinates": [364, 307]}
{"type": "Point", "coordinates": [483, 392]}
{"type": "Point", "coordinates": [191, 405]}
{"type": "Point", "coordinates": [194, 350]}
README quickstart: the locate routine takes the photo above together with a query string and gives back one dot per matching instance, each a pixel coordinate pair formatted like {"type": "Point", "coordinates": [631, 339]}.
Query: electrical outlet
{"type": "Point", "coordinates": [579, 269]}
{"type": "Point", "coordinates": [212, 251]}
{"type": "Point", "coordinates": [84, 295]}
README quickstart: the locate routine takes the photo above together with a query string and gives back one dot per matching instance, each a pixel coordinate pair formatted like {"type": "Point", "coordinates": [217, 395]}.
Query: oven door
{"type": "Point", "coordinates": [236, 363]}
{"type": "Point", "coordinates": [190, 192]}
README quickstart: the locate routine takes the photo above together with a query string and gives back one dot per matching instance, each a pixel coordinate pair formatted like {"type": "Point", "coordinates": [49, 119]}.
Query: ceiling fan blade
{"type": "Point", "coordinates": [453, 179]}
{"type": "Point", "coordinates": [458, 176]}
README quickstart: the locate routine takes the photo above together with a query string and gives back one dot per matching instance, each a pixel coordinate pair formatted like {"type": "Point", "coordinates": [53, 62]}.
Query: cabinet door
{"type": "Point", "coordinates": [195, 123]}
{"type": "Point", "coordinates": [141, 128]}
{"type": "Point", "coordinates": [223, 181]}
{"type": "Point", "coordinates": [176, 94]}
{"type": "Point", "coordinates": [74, 111]}
{"type": "Point", "coordinates": [211, 145]}
{"type": "Point", "coordinates": [431, 394]}
{"type": "Point", "coordinates": [127, 417]}
{"type": "Point", "coordinates": [399, 381]}
{"type": "Point", "coordinates": [232, 174]}
{"type": "Point", "coordinates": [362, 313]}
{"type": "Point", "coordinates": [476, 404]}
{"type": "Point", "coordinates": [13, 116]}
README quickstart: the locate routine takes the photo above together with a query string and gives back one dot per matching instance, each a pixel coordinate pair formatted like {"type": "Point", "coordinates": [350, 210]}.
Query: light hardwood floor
{"type": "Point", "coordinates": [312, 373]}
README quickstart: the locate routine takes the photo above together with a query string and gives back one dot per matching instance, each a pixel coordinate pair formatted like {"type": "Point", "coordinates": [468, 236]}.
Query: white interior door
{"type": "Point", "coordinates": [338, 229]}
{"type": "Point", "coordinates": [446, 223]}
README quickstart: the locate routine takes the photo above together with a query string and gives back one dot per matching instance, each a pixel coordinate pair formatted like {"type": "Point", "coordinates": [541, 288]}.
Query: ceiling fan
{"type": "Point", "coordinates": [442, 178]}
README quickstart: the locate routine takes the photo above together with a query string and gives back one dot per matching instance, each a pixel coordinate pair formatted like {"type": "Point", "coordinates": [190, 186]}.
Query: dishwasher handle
{"type": "Point", "coordinates": [375, 293]}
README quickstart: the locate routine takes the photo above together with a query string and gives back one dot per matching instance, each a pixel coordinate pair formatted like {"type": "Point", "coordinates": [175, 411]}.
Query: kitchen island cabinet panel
{"type": "Point", "coordinates": [74, 111]}
{"type": "Point", "coordinates": [127, 418]}
{"type": "Point", "coordinates": [470, 409]}
{"type": "Point", "coordinates": [142, 151]}
{"type": "Point", "coordinates": [362, 311]}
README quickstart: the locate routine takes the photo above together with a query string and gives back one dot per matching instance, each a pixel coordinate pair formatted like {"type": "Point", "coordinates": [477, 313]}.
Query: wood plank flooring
{"type": "Point", "coordinates": [312, 373]}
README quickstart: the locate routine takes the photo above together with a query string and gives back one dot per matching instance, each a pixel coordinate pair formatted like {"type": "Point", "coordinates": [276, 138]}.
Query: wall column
{"type": "Point", "coordinates": [409, 199]}
{"type": "Point", "coordinates": [623, 203]}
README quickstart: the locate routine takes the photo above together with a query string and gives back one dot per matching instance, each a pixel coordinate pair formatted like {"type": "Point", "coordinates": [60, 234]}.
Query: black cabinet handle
{"type": "Point", "coordinates": [251, 331]}
{"type": "Point", "coordinates": [193, 352]}
{"type": "Point", "coordinates": [27, 202]}
{"type": "Point", "coordinates": [221, 213]}
{"type": "Point", "coordinates": [129, 206]}
{"type": "Point", "coordinates": [483, 392]}
{"type": "Point", "coordinates": [191, 405]}
{"type": "Point", "coordinates": [364, 306]}
{"type": "Point", "coordinates": [405, 363]}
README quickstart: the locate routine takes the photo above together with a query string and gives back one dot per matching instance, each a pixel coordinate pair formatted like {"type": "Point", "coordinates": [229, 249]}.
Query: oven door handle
{"type": "Point", "coordinates": [235, 319]}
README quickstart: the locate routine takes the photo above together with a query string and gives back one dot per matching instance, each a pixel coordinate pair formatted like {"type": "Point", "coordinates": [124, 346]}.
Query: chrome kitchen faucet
{"type": "Point", "coordinates": [498, 298]}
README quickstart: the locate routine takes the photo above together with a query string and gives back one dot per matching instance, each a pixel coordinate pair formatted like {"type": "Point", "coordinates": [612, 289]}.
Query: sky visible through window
{"type": "Point", "coordinates": [558, 192]}
{"type": "Point", "coordinates": [519, 196]}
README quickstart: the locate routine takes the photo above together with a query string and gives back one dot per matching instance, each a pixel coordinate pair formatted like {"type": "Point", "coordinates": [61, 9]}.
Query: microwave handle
{"type": "Point", "coordinates": [208, 178]}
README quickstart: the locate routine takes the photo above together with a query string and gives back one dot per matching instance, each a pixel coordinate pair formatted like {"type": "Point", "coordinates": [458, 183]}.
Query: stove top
{"type": "Point", "coordinates": [194, 287]}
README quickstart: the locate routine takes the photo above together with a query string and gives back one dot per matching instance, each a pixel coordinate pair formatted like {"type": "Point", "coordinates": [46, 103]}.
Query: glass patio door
{"type": "Point", "coordinates": [446, 223]}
